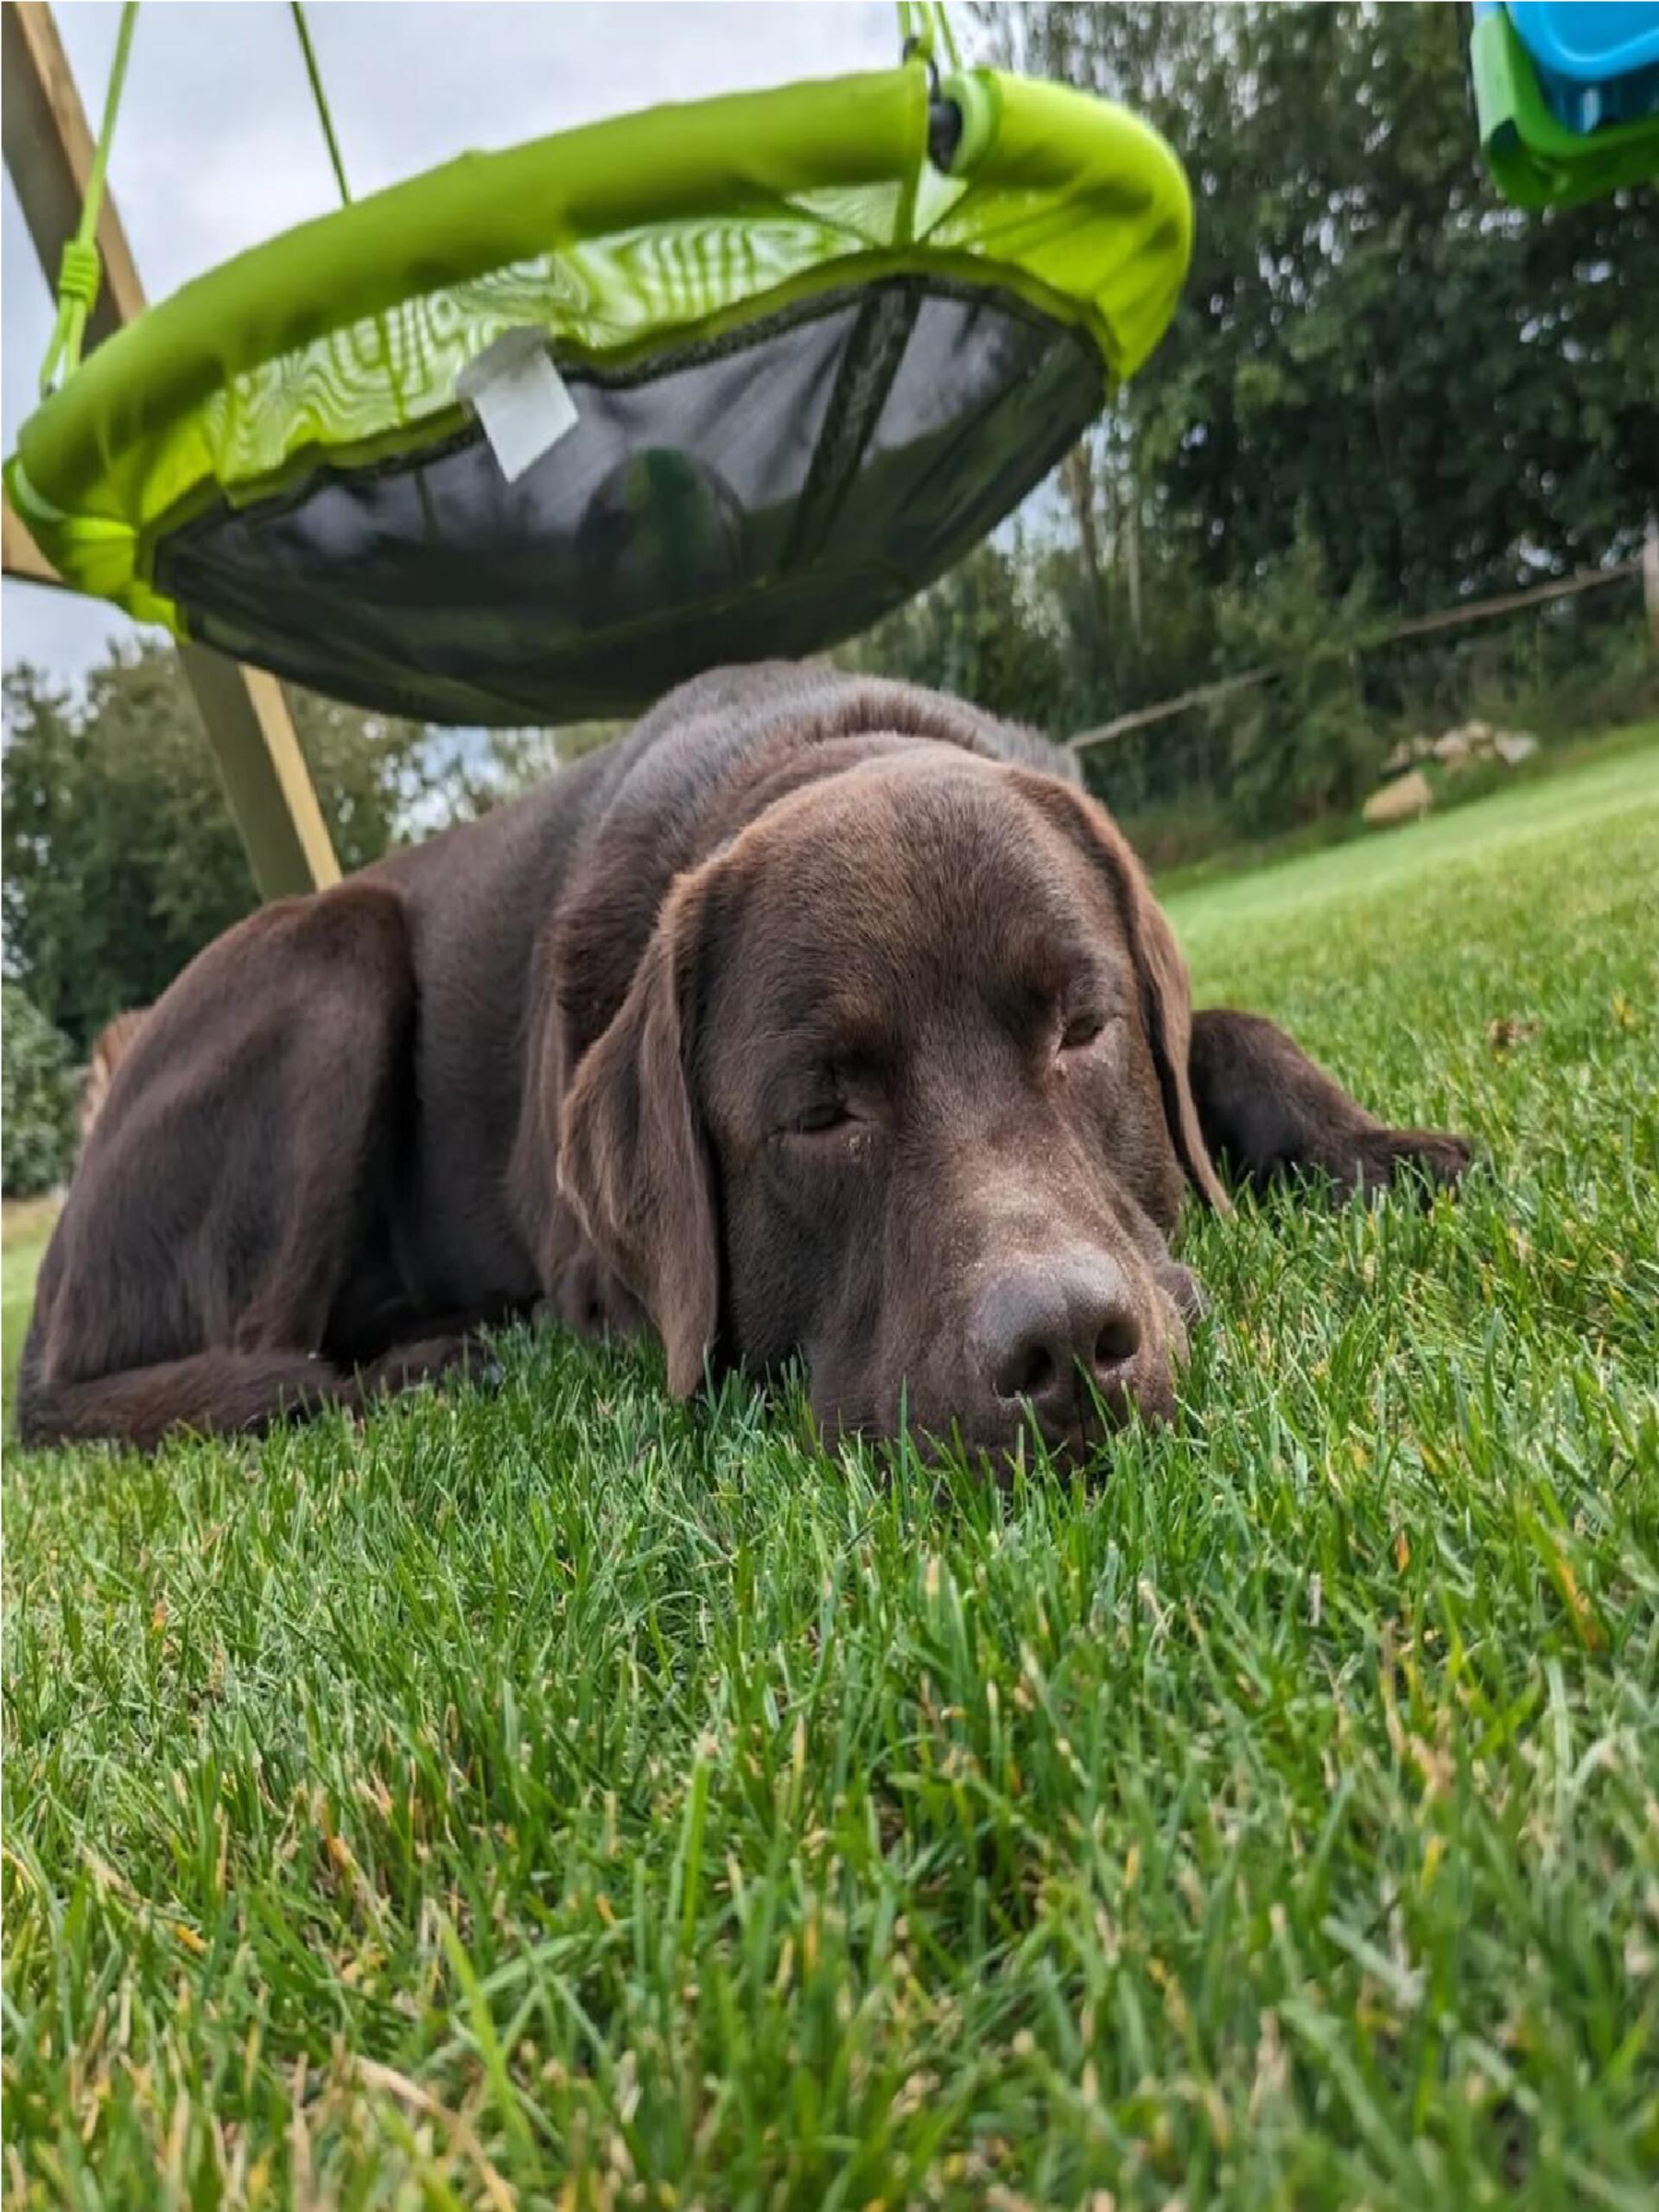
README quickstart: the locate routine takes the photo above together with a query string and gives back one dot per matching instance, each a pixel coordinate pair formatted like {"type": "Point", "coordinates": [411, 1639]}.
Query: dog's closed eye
{"type": "Point", "coordinates": [823, 1117]}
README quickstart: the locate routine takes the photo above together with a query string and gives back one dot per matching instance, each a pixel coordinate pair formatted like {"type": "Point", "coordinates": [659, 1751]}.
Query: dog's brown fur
{"type": "Point", "coordinates": [817, 1016]}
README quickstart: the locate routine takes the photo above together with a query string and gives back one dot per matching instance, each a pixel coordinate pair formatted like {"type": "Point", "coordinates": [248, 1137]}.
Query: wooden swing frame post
{"type": "Point", "coordinates": [48, 151]}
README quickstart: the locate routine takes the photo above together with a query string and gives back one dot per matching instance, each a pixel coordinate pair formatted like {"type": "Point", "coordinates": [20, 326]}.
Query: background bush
{"type": "Point", "coordinates": [37, 1134]}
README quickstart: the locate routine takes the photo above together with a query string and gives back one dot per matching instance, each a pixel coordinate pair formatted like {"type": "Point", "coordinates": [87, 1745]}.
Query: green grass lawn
{"type": "Point", "coordinates": [563, 1797]}
{"type": "Point", "coordinates": [27, 1226]}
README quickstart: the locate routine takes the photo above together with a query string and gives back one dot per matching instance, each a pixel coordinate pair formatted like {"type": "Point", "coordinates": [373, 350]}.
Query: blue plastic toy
{"type": "Point", "coordinates": [1566, 92]}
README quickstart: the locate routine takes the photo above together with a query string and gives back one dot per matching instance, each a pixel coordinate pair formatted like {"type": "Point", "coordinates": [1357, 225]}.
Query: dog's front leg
{"type": "Point", "coordinates": [1268, 1113]}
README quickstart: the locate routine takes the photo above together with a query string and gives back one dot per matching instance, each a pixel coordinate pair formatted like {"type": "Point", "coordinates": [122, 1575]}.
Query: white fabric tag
{"type": "Point", "coordinates": [520, 399]}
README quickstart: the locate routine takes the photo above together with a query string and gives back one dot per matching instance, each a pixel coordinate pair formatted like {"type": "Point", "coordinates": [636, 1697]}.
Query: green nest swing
{"type": "Point", "coordinates": [538, 435]}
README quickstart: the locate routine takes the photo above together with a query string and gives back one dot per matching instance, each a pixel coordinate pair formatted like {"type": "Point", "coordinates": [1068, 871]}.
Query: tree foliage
{"type": "Point", "coordinates": [119, 859]}
{"type": "Point", "coordinates": [37, 1106]}
{"type": "Point", "coordinates": [1383, 393]}
{"type": "Point", "coordinates": [987, 632]}
{"type": "Point", "coordinates": [1304, 746]}
{"type": "Point", "coordinates": [1448, 395]}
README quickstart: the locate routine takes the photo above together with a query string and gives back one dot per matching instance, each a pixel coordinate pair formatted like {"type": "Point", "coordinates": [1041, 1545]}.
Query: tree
{"type": "Point", "coordinates": [982, 632]}
{"type": "Point", "coordinates": [1451, 395]}
{"type": "Point", "coordinates": [37, 1143]}
{"type": "Point", "coordinates": [1305, 745]}
{"type": "Point", "coordinates": [118, 855]}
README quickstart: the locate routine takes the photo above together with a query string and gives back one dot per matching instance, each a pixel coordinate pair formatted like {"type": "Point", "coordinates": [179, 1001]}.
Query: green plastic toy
{"type": "Point", "coordinates": [1535, 159]}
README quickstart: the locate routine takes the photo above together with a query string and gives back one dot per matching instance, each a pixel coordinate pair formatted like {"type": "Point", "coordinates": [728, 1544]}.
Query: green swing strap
{"type": "Point", "coordinates": [80, 271]}
{"type": "Point", "coordinates": [321, 99]}
{"type": "Point", "coordinates": [924, 28]}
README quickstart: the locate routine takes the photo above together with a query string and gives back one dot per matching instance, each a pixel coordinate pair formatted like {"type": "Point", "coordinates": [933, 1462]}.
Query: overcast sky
{"type": "Point", "coordinates": [219, 145]}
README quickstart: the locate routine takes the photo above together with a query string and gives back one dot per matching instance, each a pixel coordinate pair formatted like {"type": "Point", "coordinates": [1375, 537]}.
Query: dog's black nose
{"type": "Point", "coordinates": [1057, 1337]}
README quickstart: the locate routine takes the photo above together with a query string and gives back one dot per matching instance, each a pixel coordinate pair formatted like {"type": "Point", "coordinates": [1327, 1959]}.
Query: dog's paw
{"type": "Point", "coordinates": [461, 1358]}
{"type": "Point", "coordinates": [1429, 1159]}
{"type": "Point", "coordinates": [592, 1301]}
{"type": "Point", "coordinates": [474, 1360]}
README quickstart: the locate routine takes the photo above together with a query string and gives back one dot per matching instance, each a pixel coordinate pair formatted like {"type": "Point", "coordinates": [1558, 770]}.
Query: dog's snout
{"type": "Point", "coordinates": [1056, 1337]}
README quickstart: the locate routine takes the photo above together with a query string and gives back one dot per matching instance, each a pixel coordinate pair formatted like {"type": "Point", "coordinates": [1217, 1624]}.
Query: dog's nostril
{"type": "Point", "coordinates": [1028, 1373]}
{"type": "Point", "coordinates": [1118, 1341]}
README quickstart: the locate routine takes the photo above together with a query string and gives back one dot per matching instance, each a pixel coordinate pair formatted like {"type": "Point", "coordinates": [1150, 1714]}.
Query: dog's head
{"type": "Point", "coordinates": [901, 1085]}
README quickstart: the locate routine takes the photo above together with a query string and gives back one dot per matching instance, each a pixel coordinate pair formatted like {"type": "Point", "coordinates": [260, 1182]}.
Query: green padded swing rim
{"type": "Point", "coordinates": [1071, 203]}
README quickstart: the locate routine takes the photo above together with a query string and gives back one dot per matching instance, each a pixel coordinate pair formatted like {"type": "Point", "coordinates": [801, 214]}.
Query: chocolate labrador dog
{"type": "Point", "coordinates": [819, 1016]}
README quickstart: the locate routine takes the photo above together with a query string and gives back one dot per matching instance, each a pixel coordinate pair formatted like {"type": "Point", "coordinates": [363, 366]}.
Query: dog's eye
{"type": "Point", "coordinates": [1081, 1029]}
{"type": "Point", "coordinates": [822, 1117]}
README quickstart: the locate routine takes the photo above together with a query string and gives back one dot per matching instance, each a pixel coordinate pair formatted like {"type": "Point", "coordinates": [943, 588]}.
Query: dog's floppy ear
{"type": "Point", "coordinates": [633, 1155]}
{"type": "Point", "coordinates": [1166, 992]}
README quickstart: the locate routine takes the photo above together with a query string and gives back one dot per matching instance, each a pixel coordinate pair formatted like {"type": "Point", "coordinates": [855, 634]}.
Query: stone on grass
{"type": "Point", "coordinates": [1403, 800]}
